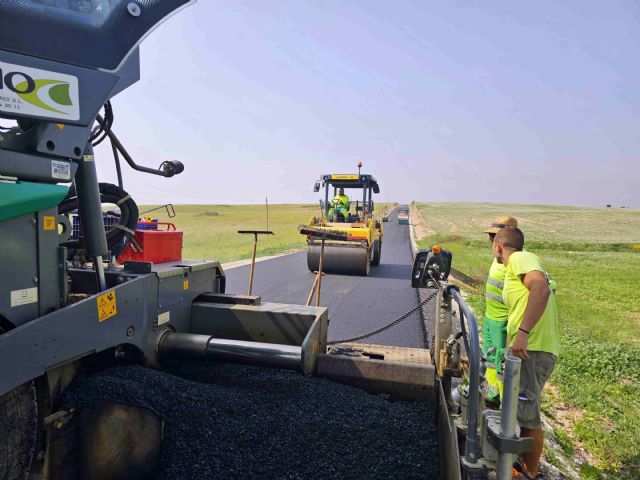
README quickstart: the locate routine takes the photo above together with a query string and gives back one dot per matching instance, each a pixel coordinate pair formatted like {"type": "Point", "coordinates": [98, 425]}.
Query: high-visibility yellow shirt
{"type": "Point", "coordinates": [340, 200]}
{"type": "Point", "coordinates": [545, 336]}
{"type": "Point", "coordinates": [495, 307]}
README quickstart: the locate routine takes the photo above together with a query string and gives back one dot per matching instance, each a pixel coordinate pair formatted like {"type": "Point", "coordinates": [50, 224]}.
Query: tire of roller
{"type": "Point", "coordinates": [376, 252]}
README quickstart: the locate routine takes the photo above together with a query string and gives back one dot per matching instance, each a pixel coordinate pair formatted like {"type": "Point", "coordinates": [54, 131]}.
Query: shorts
{"type": "Point", "coordinates": [534, 373]}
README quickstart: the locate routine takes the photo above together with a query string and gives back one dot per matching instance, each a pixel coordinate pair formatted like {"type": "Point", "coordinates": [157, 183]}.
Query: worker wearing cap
{"type": "Point", "coordinates": [339, 206]}
{"type": "Point", "coordinates": [533, 333]}
{"type": "Point", "coordinates": [494, 329]}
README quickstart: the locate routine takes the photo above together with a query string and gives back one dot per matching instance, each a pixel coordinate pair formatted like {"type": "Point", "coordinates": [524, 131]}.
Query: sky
{"type": "Point", "coordinates": [502, 101]}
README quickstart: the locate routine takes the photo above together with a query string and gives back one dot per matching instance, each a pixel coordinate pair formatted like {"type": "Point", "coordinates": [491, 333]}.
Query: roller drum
{"type": "Point", "coordinates": [340, 258]}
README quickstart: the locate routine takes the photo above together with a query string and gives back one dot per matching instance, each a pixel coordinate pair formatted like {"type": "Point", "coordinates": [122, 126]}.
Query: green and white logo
{"type": "Point", "coordinates": [48, 94]}
{"type": "Point", "coordinates": [35, 92]}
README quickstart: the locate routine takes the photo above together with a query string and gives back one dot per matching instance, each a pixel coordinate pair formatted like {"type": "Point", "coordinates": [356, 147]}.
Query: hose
{"type": "Point", "coordinates": [120, 234]}
{"type": "Point", "coordinates": [101, 130]}
{"type": "Point", "coordinates": [463, 331]}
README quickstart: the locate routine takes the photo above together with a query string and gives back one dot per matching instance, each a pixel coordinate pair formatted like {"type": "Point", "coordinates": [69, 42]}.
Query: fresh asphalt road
{"type": "Point", "coordinates": [356, 304]}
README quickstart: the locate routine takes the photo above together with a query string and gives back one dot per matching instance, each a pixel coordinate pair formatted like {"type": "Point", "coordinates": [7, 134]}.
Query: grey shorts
{"type": "Point", "coordinates": [534, 373]}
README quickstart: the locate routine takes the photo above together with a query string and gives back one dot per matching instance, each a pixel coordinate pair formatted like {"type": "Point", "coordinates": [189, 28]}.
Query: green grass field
{"type": "Point", "coordinates": [210, 231]}
{"type": "Point", "coordinates": [594, 255]}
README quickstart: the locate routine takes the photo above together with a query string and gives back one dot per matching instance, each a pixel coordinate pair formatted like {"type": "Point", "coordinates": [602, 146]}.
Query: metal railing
{"type": "Point", "coordinates": [472, 445]}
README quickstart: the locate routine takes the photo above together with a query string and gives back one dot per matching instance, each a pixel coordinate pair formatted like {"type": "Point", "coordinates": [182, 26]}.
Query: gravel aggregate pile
{"type": "Point", "coordinates": [235, 421]}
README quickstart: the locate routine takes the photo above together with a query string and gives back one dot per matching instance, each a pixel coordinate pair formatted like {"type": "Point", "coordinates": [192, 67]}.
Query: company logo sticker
{"type": "Point", "coordinates": [31, 91]}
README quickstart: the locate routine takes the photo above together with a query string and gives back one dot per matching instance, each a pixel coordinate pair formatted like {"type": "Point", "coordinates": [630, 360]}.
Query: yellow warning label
{"type": "Point", "coordinates": [185, 284]}
{"type": "Point", "coordinates": [106, 306]}
{"type": "Point", "coordinates": [344, 177]}
{"type": "Point", "coordinates": [49, 222]}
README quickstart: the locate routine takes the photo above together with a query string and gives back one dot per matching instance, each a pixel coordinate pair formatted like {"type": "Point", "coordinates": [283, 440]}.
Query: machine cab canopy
{"type": "Point", "coordinates": [361, 181]}
{"type": "Point", "coordinates": [96, 34]}
{"type": "Point", "coordinates": [354, 181]}
{"type": "Point", "coordinates": [62, 60]}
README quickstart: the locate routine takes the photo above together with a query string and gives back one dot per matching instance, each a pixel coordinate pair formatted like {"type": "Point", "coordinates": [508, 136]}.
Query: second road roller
{"type": "Point", "coordinates": [352, 217]}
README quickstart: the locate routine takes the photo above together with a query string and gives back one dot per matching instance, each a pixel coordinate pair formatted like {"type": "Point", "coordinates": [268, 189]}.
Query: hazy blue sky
{"type": "Point", "coordinates": [526, 102]}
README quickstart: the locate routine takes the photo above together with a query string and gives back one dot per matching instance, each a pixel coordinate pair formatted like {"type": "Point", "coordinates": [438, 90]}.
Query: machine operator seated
{"type": "Point", "coordinates": [339, 208]}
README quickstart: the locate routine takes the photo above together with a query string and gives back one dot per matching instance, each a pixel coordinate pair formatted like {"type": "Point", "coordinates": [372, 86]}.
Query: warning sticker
{"type": "Point", "coordinates": [49, 222]}
{"type": "Point", "coordinates": [60, 170]}
{"type": "Point", "coordinates": [24, 297]}
{"type": "Point", "coordinates": [106, 306]}
{"type": "Point", "coordinates": [185, 284]}
{"type": "Point", "coordinates": [164, 318]}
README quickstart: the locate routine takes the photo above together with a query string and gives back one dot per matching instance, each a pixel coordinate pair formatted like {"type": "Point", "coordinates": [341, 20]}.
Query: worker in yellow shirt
{"type": "Point", "coordinates": [339, 207]}
{"type": "Point", "coordinates": [494, 327]}
{"type": "Point", "coordinates": [532, 332]}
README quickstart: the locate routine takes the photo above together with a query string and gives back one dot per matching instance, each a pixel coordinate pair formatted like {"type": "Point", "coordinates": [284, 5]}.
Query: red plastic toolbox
{"type": "Point", "coordinates": [157, 246]}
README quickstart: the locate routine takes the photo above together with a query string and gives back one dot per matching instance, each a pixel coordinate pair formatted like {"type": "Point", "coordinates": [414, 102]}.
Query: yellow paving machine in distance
{"type": "Point", "coordinates": [363, 246]}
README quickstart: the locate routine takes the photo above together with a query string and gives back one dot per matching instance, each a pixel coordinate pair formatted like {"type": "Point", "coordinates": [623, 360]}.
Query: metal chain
{"type": "Point", "coordinates": [404, 316]}
{"type": "Point", "coordinates": [426, 341]}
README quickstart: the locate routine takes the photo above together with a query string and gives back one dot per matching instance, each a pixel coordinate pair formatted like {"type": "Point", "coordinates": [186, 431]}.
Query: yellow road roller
{"type": "Point", "coordinates": [352, 216]}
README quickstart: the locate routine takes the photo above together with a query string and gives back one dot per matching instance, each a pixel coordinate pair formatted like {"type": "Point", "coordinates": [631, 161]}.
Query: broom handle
{"type": "Point", "coordinates": [320, 273]}
{"type": "Point", "coordinates": [313, 290]}
{"type": "Point", "coordinates": [253, 263]}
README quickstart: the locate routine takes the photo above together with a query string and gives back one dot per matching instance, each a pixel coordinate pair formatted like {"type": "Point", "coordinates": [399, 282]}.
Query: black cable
{"type": "Point", "coordinates": [96, 132]}
{"type": "Point", "coordinates": [389, 325]}
{"type": "Point", "coordinates": [102, 130]}
{"type": "Point", "coordinates": [116, 158]}
{"type": "Point", "coordinates": [120, 234]}
{"type": "Point", "coordinates": [108, 114]}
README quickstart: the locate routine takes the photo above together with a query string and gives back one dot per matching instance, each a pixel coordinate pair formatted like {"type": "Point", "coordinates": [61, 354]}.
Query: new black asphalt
{"type": "Point", "coordinates": [357, 304]}
{"type": "Point", "coordinates": [234, 421]}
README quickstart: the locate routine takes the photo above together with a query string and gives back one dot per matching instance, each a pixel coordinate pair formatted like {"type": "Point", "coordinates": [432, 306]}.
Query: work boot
{"type": "Point", "coordinates": [518, 471]}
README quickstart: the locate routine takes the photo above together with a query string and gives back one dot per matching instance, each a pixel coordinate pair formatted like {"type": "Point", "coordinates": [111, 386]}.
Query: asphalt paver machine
{"type": "Point", "coordinates": [66, 312]}
{"type": "Point", "coordinates": [362, 246]}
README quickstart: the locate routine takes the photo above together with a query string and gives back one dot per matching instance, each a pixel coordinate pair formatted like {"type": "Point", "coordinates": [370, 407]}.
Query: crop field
{"type": "Point", "coordinates": [594, 255]}
{"type": "Point", "coordinates": [210, 231]}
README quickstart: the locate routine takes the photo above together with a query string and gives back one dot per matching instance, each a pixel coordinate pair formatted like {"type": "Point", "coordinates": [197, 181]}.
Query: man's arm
{"type": "Point", "coordinates": [539, 292]}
